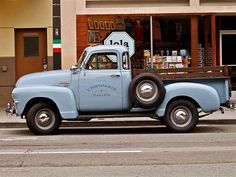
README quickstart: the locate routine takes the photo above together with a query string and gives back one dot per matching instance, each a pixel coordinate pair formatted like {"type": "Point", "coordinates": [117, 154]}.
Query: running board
{"type": "Point", "coordinates": [89, 116]}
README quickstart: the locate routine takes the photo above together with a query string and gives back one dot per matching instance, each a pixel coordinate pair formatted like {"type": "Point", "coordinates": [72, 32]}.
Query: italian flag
{"type": "Point", "coordinates": [57, 46]}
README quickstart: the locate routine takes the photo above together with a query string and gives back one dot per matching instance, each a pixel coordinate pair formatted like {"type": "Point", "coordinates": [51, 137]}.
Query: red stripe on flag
{"type": "Point", "coordinates": [57, 50]}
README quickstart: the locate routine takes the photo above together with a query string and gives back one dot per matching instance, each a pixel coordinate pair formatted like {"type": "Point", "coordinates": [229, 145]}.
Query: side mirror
{"type": "Point", "coordinates": [73, 68]}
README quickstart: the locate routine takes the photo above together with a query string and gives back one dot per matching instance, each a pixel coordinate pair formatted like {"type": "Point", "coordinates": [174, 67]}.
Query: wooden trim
{"type": "Point", "coordinates": [81, 33]}
{"type": "Point", "coordinates": [150, 14]}
{"type": "Point", "coordinates": [186, 73]}
{"type": "Point", "coordinates": [206, 46]}
{"type": "Point", "coordinates": [218, 28]}
{"type": "Point", "coordinates": [213, 39]}
{"type": "Point", "coordinates": [194, 41]}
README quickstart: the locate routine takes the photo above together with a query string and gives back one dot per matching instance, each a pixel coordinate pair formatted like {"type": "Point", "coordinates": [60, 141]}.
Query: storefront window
{"type": "Point", "coordinates": [171, 37]}
{"type": "Point", "coordinates": [171, 43]}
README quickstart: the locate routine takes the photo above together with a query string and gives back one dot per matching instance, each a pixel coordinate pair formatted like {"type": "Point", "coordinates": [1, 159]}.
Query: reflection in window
{"type": "Point", "coordinates": [102, 61]}
{"type": "Point", "coordinates": [31, 46]}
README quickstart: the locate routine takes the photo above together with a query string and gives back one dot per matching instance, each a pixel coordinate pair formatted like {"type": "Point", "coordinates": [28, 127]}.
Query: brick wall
{"type": "Point", "coordinates": [82, 33]}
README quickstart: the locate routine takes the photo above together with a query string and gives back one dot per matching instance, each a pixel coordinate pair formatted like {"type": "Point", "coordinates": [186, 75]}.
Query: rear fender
{"type": "Point", "coordinates": [205, 96]}
{"type": "Point", "coordinates": [62, 97]}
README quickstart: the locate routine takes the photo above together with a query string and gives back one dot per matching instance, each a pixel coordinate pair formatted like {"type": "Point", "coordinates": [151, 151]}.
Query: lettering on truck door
{"type": "Point", "coordinates": [100, 83]}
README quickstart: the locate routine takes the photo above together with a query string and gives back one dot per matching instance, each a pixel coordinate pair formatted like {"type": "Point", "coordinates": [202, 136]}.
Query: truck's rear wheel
{"type": "Point", "coordinates": [43, 119]}
{"type": "Point", "coordinates": [147, 90]}
{"type": "Point", "coordinates": [181, 116]}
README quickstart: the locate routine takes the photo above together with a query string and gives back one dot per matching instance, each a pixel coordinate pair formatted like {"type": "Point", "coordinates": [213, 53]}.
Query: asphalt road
{"type": "Point", "coordinates": [210, 150]}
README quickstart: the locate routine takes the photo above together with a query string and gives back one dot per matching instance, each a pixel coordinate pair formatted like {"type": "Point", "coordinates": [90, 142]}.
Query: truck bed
{"type": "Point", "coordinates": [216, 77]}
{"type": "Point", "coordinates": [187, 73]}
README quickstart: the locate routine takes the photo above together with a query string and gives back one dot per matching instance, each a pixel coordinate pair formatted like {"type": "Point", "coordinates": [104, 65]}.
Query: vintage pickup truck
{"type": "Point", "coordinates": [102, 84]}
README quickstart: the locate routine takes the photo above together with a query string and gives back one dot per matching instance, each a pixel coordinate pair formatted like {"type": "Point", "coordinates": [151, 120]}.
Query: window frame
{"type": "Point", "coordinates": [127, 61]}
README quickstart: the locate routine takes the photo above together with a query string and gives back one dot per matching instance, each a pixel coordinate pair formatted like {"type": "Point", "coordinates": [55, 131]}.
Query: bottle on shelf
{"type": "Point", "coordinates": [167, 52]}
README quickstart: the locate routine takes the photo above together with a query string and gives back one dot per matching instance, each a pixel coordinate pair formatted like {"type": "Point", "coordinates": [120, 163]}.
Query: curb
{"type": "Point", "coordinates": [97, 124]}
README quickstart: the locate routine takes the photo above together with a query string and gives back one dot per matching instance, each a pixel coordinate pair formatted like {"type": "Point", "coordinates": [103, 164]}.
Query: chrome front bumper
{"type": "Point", "coordinates": [11, 109]}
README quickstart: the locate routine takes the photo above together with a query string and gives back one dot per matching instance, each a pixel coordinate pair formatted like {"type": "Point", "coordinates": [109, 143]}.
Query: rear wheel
{"type": "Point", "coordinates": [43, 119]}
{"type": "Point", "coordinates": [181, 116]}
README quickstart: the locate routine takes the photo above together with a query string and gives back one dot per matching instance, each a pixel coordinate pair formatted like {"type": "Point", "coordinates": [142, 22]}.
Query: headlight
{"type": "Point", "coordinates": [13, 96]}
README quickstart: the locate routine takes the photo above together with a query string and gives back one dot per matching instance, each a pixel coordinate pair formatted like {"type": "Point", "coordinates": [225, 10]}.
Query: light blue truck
{"type": "Point", "coordinates": [102, 84]}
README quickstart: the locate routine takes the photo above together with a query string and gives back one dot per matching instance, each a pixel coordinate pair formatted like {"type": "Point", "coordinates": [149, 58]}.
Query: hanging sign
{"type": "Point", "coordinates": [121, 38]}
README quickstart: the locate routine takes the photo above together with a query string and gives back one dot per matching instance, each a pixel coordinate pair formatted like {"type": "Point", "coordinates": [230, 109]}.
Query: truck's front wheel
{"type": "Point", "coordinates": [181, 116]}
{"type": "Point", "coordinates": [43, 119]}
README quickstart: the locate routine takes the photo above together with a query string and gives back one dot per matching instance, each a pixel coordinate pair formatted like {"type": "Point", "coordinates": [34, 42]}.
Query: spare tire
{"type": "Point", "coordinates": [147, 90]}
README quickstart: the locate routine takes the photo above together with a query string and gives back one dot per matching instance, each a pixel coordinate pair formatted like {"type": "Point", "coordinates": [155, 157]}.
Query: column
{"type": "Point", "coordinates": [194, 41]}
{"type": "Point", "coordinates": [213, 39]}
{"type": "Point", "coordinates": [194, 2]}
{"type": "Point", "coordinates": [56, 34]}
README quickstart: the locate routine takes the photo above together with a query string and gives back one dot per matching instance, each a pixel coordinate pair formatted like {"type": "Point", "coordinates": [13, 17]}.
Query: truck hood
{"type": "Point", "coordinates": [60, 78]}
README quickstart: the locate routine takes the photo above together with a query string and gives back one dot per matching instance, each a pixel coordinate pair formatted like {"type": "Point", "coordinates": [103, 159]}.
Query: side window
{"type": "Point", "coordinates": [126, 61]}
{"type": "Point", "coordinates": [102, 61]}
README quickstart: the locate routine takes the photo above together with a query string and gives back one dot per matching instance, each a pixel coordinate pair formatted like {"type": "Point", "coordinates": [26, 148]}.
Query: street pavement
{"type": "Point", "coordinates": [229, 116]}
{"type": "Point", "coordinates": [209, 151]}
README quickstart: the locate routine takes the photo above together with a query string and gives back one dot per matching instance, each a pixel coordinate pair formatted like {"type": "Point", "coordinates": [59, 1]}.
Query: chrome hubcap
{"type": "Point", "coordinates": [181, 117]}
{"type": "Point", "coordinates": [45, 119]}
{"type": "Point", "coordinates": [146, 90]}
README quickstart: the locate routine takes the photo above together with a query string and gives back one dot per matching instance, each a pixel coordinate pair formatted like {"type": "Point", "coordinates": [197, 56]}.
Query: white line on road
{"type": "Point", "coordinates": [196, 149]}
{"type": "Point", "coordinates": [18, 138]}
{"type": "Point", "coordinates": [145, 150]}
{"type": "Point", "coordinates": [65, 152]}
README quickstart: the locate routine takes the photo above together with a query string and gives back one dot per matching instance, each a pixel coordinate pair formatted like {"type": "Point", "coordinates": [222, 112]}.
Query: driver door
{"type": "Point", "coordinates": [100, 84]}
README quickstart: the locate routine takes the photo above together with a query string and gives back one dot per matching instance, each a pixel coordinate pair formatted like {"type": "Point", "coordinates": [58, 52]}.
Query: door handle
{"type": "Point", "coordinates": [115, 75]}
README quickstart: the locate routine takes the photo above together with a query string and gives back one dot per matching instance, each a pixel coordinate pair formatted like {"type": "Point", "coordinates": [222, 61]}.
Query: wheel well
{"type": "Point", "coordinates": [184, 98]}
{"type": "Point", "coordinates": [38, 100]}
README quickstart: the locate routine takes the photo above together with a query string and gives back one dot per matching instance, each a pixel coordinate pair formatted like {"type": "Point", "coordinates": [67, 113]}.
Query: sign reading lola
{"type": "Point", "coordinates": [121, 38]}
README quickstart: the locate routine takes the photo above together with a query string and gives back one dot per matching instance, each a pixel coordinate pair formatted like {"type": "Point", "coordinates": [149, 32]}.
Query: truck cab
{"type": "Point", "coordinates": [103, 77]}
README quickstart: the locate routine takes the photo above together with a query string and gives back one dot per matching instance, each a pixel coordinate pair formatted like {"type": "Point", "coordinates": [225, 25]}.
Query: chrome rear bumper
{"type": "Point", "coordinates": [231, 105]}
{"type": "Point", "coordinates": [228, 105]}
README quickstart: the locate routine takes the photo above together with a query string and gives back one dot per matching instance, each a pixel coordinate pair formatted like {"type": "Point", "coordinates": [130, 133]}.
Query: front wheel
{"type": "Point", "coordinates": [43, 119]}
{"type": "Point", "coordinates": [181, 116]}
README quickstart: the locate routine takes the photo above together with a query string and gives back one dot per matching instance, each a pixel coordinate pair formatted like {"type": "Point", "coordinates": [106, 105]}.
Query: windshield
{"type": "Point", "coordinates": [81, 59]}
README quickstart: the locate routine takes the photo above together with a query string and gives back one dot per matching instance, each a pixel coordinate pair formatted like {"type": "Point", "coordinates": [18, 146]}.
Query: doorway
{"type": "Point", "coordinates": [31, 51]}
{"type": "Point", "coordinates": [227, 52]}
{"type": "Point", "coordinates": [227, 47]}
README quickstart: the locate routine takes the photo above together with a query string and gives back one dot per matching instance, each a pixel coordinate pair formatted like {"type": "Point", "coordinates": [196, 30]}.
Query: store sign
{"type": "Point", "coordinates": [121, 38]}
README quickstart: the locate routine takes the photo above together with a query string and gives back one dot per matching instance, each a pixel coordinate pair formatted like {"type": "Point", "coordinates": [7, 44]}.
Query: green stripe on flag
{"type": "Point", "coordinates": [57, 41]}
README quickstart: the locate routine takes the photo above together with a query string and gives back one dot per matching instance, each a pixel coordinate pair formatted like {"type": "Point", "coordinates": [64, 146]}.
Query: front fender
{"type": "Point", "coordinates": [63, 97]}
{"type": "Point", "coordinates": [206, 96]}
